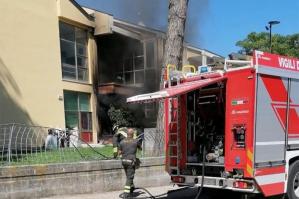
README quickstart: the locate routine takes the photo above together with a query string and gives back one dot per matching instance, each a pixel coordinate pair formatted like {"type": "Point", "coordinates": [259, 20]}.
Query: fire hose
{"type": "Point", "coordinates": [151, 196]}
{"type": "Point", "coordinates": [202, 173]}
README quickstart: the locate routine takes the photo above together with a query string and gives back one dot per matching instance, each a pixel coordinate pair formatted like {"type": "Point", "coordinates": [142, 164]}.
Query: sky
{"type": "Point", "coordinates": [214, 25]}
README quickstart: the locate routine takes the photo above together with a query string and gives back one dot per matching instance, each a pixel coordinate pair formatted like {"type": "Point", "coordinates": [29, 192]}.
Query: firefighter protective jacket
{"type": "Point", "coordinates": [128, 148]}
{"type": "Point", "coordinates": [118, 137]}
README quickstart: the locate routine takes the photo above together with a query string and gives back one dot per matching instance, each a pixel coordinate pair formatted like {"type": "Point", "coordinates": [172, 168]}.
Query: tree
{"type": "Point", "coordinates": [173, 51]}
{"type": "Point", "coordinates": [283, 45]}
{"type": "Point", "coordinates": [173, 54]}
{"type": "Point", "coordinates": [121, 117]}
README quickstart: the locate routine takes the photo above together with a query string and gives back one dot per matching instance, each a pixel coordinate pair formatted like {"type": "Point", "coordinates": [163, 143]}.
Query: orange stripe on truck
{"type": "Point", "coordinates": [249, 155]}
{"type": "Point", "coordinates": [249, 168]}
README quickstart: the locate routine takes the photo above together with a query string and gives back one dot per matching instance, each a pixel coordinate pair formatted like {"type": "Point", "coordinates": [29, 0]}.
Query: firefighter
{"type": "Point", "coordinates": [119, 135]}
{"type": "Point", "coordinates": [128, 148]}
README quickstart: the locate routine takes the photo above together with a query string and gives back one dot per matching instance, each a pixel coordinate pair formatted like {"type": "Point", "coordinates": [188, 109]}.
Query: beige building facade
{"type": "Point", "coordinates": [33, 86]}
{"type": "Point", "coordinates": [49, 63]}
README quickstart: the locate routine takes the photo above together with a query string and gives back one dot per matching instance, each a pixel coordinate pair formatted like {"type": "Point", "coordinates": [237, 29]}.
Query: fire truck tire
{"type": "Point", "coordinates": [293, 181]}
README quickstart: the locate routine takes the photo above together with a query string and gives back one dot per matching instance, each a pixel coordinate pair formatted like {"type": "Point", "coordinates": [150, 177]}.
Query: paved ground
{"type": "Point", "coordinates": [172, 193]}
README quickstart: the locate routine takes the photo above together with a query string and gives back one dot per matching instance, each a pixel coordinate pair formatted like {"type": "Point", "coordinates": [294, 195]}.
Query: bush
{"type": "Point", "coordinates": [121, 116]}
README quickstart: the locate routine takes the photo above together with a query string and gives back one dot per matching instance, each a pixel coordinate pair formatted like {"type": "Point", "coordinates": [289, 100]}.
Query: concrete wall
{"type": "Point", "coordinates": [75, 178]}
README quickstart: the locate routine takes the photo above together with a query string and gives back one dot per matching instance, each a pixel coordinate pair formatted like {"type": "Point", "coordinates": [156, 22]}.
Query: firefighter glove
{"type": "Point", "coordinates": [115, 152]}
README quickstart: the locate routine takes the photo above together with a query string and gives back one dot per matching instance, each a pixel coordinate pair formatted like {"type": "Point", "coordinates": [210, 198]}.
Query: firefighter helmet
{"type": "Point", "coordinates": [115, 127]}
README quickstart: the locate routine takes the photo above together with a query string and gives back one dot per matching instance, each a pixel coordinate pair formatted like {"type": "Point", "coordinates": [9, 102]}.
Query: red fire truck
{"type": "Point", "coordinates": [237, 127]}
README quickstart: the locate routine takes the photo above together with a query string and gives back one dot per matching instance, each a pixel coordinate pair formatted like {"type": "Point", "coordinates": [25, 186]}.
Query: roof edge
{"type": "Point", "coordinates": [78, 6]}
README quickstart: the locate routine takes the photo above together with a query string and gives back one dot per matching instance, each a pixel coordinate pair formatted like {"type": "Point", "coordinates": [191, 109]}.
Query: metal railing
{"type": "Point", "coordinates": [26, 145]}
{"type": "Point", "coordinates": [236, 64]}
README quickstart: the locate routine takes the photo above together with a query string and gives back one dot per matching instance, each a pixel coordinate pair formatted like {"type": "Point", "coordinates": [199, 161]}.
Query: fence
{"type": "Point", "coordinates": [23, 144]}
{"type": "Point", "coordinates": [153, 143]}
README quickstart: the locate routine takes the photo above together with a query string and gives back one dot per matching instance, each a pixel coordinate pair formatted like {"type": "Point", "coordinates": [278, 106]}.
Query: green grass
{"type": "Point", "coordinates": [63, 155]}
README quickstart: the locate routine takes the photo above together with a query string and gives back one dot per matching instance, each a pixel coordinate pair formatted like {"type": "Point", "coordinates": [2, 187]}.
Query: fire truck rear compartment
{"type": "Point", "coordinates": [205, 129]}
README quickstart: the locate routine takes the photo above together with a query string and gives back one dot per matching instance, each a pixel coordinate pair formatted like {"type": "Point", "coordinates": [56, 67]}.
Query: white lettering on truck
{"type": "Point", "coordinates": [288, 63]}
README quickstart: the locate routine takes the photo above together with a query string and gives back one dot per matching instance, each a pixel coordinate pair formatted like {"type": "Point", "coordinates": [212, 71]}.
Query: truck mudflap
{"type": "Point", "coordinates": [271, 181]}
{"type": "Point", "coordinates": [241, 185]}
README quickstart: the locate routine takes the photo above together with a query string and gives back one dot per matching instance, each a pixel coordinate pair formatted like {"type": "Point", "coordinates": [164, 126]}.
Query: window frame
{"type": "Point", "coordinates": [79, 111]}
{"type": "Point", "coordinates": [149, 45]}
{"type": "Point", "coordinates": [74, 44]}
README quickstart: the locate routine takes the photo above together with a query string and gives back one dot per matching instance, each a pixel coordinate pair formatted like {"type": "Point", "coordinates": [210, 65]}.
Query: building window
{"type": "Point", "coordinates": [77, 111]}
{"type": "Point", "coordinates": [73, 44]}
{"type": "Point", "coordinates": [133, 70]}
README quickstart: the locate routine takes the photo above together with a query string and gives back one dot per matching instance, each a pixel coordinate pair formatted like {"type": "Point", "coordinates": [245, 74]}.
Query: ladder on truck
{"type": "Point", "coordinates": [174, 135]}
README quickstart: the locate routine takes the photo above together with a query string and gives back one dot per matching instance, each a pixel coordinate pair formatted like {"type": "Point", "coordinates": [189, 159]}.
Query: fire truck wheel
{"type": "Point", "coordinates": [293, 181]}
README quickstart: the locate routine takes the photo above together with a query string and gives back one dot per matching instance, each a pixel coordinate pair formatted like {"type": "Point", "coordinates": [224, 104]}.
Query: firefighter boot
{"type": "Point", "coordinates": [132, 188]}
{"type": "Point", "coordinates": [127, 192]}
{"type": "Point", "coordinates": [126, 195]}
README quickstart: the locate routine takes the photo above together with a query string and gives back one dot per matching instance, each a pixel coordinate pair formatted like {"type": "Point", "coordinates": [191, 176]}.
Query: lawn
{"type": "Point", "coordinates": [61, 155]}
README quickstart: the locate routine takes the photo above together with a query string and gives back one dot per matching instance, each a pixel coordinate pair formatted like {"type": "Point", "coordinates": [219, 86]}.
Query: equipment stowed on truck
{"type": "Point", "coordinates": [241, 124]}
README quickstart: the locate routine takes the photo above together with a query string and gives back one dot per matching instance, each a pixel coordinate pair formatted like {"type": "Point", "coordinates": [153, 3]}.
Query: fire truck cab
{"type": "Point", "coordinates": [237, 127]}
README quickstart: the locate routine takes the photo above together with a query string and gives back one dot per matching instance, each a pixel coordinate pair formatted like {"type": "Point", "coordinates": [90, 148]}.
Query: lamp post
{"type": "Point", "coordinates": [271, 23]}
